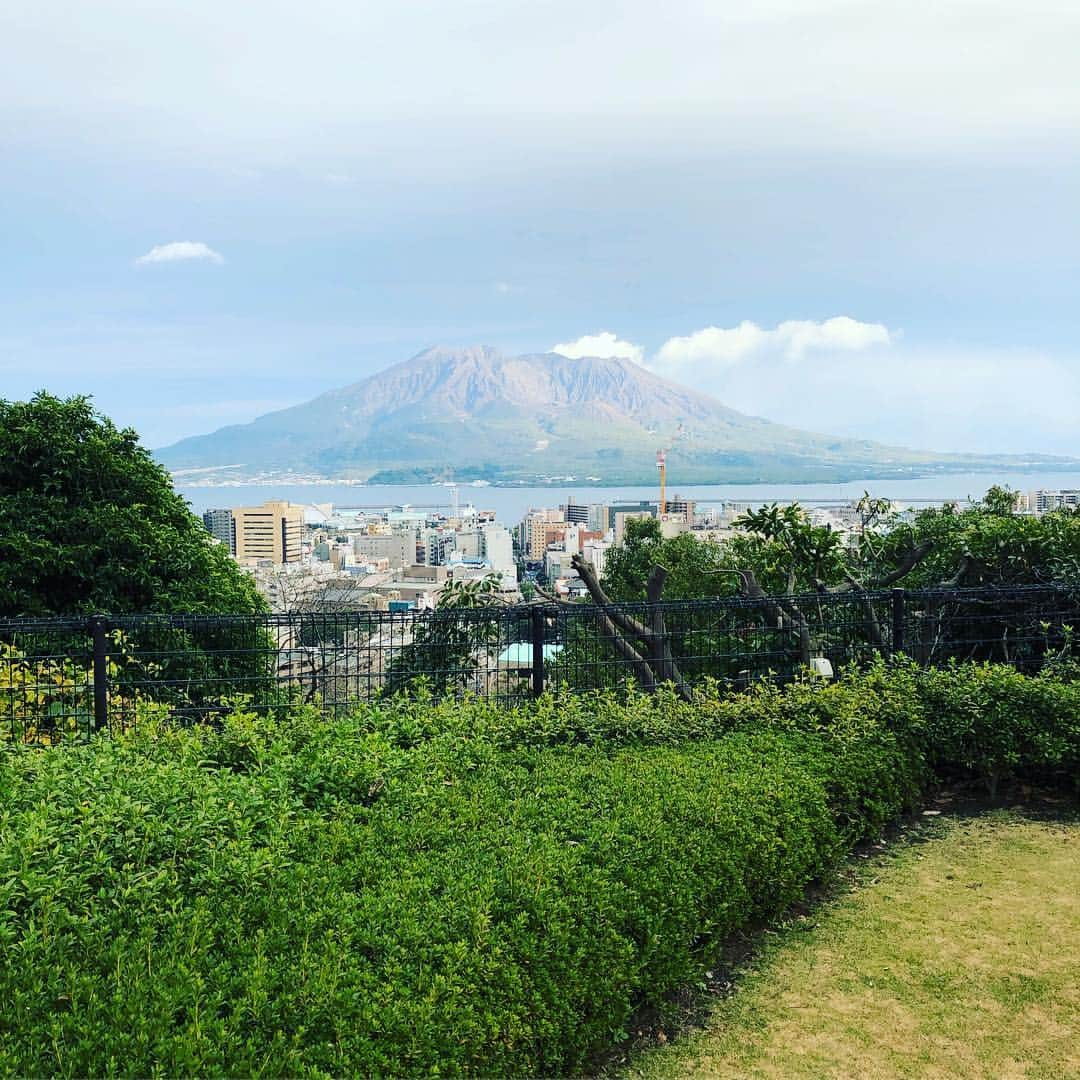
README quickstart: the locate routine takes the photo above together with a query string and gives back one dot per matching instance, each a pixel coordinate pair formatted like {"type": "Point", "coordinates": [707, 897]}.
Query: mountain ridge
{"type": "Point", "coordinates": [476, 413]}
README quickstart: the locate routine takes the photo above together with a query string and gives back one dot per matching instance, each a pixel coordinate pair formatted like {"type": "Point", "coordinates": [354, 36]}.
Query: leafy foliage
{"type": "Point", "coordinates": [89, 522]}
{"type": "Point", "coordinates": [446, 647]}
{"type": "Point", "coordinates": [449, 887]}
{"type": "Point", "coordinates": [691, 564]}
{"type": "Point", "coordinates": [989, 543]}
{"type": "Point", "coordinates": [985, 543]}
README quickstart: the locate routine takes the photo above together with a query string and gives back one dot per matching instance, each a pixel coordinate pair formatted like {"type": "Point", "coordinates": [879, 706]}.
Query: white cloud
{"type": "Point", "coordinates": [839, 332]}
{"type": "Point", "coordinates": [179, 251]}
{"type": "Point", "coordinates": [791, 340]}
{"type": "Point", "coordinates": [928, 396]}
{"type": "Point", "coordinates": [604, 345]}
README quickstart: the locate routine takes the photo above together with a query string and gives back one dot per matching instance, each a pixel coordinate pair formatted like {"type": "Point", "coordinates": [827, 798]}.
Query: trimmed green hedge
{"type": "Point", "coordinates": [447, 888]}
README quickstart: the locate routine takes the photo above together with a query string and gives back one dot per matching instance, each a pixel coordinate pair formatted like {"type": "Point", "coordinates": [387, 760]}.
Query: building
{"type": "Point", "coordinates": [219, 525]}
{"type": "Point", "coordinates": [681, 508]}
{"type": "Point", "coordinates": [498, 552]}
{"type": "Point", "coordinates": [398, 548]}
{"type": "Point", "coordinates": [595, 551]}
{"type": "Point", "coordinates": [436, 545]}
{"type": "Point", "coordinates": [598, 517]}
{"type": "Point", "coordinates": [538, 530]}
{"type": "Point", "coordinates": [575, 513]}
{"type": "Point", "coordinates": [419, 585]}
{"type": "Point", "coordinates": [470, 544]}
{"type": "Point", "coordinates": [672, 525]}
{"type": "Point", "coordinates": [273, 531]}
{"type": "Point", "coordinates": [1042, 501]}
{"type": "Point", "coordinates": [557, 564]}
{"type": "Point", "coordinates": [643, 508]}
{"type": "Point", "coordinates": [622, 517]}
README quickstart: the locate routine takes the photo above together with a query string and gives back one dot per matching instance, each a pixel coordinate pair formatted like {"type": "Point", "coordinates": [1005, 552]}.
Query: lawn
{"type": "Point", "coordinates": [957, 957]}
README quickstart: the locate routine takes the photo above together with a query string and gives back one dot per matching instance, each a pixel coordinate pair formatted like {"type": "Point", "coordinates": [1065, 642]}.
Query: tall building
{"type": "Point", "coordinates": [683, 508]}
{"type": "Point", "coordinates": [272, 531]}
{"type": "Point", "coordinates": [575, 513]}
{"type": "Point", "coordinates": [437, 545]}
{"type": "Point", "coordinates": [623, 516]}
{"type": "Point", "coordinates": [219, 525]}
{"type": "Point", "coordinates": [539, 529]}
{"type": "Point", "coordinates": [499, 553]}
{"type": "Point", "coordinates": [643, 508]}
{"type": "Point", "coordinates": [598, 517]}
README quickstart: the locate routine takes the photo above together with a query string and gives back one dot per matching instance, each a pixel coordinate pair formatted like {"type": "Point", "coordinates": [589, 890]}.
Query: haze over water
{"type": "Point", "coordinates": [511, 503]}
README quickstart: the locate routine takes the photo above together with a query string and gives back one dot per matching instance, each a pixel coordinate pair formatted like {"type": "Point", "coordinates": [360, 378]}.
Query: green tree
{"type": "Point", "coordinates": [822, 590]}
{"type": "Point", "coordinates": [89, 522]}
{"type": "Point", "coordinates": [988, 543]}
{"type": "Point", "coordinates": [690, 564]}
{"type": "Point", "coordinates": [451, 648]}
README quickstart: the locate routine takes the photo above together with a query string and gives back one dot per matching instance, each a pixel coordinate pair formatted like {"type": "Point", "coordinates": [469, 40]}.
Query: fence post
{"type": "Point", "coordinates": [537, 619]}
{"type": "Point", "coordinates": [101, 673]}
{"type": "Point", "coordinates": [897, 621]}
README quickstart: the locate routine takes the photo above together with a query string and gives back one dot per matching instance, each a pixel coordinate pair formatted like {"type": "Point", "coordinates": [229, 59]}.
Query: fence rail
{"type": "Point", "coordinates": [68, 677]}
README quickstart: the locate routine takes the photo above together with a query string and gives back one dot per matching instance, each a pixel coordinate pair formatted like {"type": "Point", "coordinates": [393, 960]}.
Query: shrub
{"type": "Point", "coordinates": [991, 720]}
{"type": "Point", "coordinates": [435, 887]}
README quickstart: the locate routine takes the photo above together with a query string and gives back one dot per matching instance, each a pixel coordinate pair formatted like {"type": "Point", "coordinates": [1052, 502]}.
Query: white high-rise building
{"type": "Point", "coordinates": [572, 539]}
{"type": "Point", "coordinates": [595, 551]}
{"type": "Point", "coordinates": [499, 552]}
{"type": "Point", "coordinates": [1042, 501]}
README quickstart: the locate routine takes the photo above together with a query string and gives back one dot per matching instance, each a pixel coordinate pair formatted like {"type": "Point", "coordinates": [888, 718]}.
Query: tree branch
{"type": "Point", "coordinates": [911, 560]}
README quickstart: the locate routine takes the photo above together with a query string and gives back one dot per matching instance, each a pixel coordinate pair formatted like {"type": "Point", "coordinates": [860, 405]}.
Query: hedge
{"type": "Point", "coordinates": [435, 889]}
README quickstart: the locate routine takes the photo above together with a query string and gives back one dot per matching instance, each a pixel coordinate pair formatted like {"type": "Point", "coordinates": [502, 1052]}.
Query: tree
{"type": "Point", "coordinates": [89, 522]}
{"type": "Point", "coordinates": [688, 560]}
{"type": "Point", "coordinates": [821, 591]}
{"type": "Point", "coordinates": [451, 644]}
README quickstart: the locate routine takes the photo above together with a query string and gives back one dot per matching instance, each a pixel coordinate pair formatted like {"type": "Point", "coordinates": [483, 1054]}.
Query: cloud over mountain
{"type": "Point", "coordinates": [604, 345]}
{"type": "Point", "coordinates": [791, 340]}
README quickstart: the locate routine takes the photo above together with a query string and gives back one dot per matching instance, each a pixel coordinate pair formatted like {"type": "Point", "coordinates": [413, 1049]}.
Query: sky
{"type": "Point", "coordinates": [853, 217]}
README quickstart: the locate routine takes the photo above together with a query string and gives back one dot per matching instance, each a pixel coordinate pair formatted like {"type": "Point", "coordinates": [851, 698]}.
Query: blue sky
{"type": "Point", "coordinates": [357, 181]}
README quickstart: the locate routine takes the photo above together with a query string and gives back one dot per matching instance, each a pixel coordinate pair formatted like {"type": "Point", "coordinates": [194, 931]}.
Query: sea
{"type": "Point", "coordinates": [511, 504]}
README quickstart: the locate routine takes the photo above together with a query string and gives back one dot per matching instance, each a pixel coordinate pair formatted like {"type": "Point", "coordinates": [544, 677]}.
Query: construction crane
{"type": "Point", "coordinates": [661, 465]}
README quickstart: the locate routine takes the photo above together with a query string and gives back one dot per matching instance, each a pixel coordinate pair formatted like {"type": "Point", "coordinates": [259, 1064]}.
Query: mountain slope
{"type": "Point", "coordinates": [475, 413]}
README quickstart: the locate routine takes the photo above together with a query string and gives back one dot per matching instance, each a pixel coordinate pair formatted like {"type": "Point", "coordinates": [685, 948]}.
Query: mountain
{"type": "Point", "coordinates": [474, 413]}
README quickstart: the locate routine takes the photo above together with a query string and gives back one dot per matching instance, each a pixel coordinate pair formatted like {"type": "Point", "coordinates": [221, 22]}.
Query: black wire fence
{"type": "Point", "coordinates": [63, 678]}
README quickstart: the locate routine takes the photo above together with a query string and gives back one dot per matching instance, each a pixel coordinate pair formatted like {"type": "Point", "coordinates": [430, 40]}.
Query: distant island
{"type": "Point", "coordinates": [477, 415]}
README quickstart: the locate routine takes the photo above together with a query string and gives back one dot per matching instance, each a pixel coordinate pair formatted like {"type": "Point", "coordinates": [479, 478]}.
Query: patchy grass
{"type": "Point", "coordinates": [956, 957]}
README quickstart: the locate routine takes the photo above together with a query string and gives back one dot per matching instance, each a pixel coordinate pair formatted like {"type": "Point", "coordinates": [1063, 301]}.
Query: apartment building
{"type": "Point", "coordinates": [273, 531]}
{"type": "Point", "coordinates": [540, 528]}
{"type": "Point", "coordinates": [1042, 501]}
{"type": "Point", "coordinates": [498, 552]}
{"type": "Point", "coordinates": [219, 525]}
{"type": "Point", "coordinates": [398, 548]}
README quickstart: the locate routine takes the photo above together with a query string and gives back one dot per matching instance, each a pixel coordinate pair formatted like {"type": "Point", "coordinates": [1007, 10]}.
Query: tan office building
{"type": "Point", "coordinates": [272, 531]}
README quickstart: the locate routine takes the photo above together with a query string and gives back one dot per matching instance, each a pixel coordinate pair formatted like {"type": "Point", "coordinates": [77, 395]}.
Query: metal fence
{"type": "Point", "coordinates": [67, 677]}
